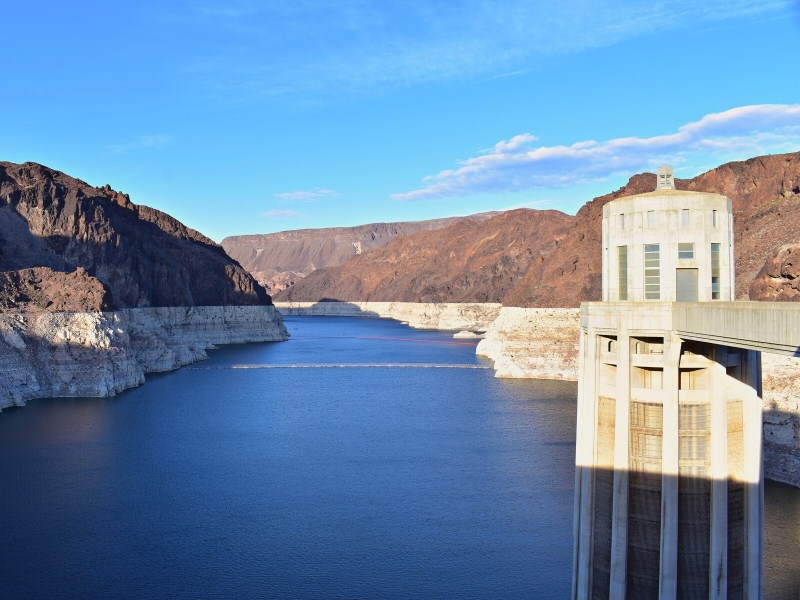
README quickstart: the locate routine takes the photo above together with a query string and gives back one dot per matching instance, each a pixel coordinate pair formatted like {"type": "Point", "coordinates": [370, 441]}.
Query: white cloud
{"type": "Point", "coordinates": [145, 141]}
{"type": "Point", "coordinates": [305, 195]}
{"type": "Point", "coordinates": [283, 214]}
{"type": "Point", "coordinates": [518, 164]}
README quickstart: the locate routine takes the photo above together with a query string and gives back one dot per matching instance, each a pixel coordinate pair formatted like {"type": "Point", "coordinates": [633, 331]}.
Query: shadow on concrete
{"type": "Point", "coordinates": [643, 537]}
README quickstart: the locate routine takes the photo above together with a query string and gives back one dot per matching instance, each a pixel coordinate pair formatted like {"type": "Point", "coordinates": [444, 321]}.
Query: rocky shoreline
{"type": "Point", "coordinates": [99, 354]}
{"type": "Point", "coordinates": [455, 316]}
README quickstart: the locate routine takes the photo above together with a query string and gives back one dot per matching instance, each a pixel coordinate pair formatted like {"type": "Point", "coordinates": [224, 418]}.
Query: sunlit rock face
{"type": "Point", "coordinates": [538, 343]}
{"type": "Point", "coordinates": [99, 354]}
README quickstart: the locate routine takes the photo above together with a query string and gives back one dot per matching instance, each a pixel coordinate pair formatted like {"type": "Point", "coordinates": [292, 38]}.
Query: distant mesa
{"type": "Point", "coordinates": [532, 258]}
{"type": "Point", "coordinates": [68, 246]}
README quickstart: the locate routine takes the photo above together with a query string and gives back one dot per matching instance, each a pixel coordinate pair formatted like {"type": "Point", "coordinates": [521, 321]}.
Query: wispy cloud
{"type": "Point", "coordinates": [283, 214]}
{"type": "Point", "coordinates": [335, 46]}
{"type": "Point", "coordinates": [519, 164]}
{"type": "Point", "coordinates": [305, 195]}
{"type": "Point", "coordinates": [143, 142]}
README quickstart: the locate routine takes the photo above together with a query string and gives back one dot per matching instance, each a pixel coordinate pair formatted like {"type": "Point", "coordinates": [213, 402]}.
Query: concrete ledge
{"type": "Point", "coordinates": [765, 326]}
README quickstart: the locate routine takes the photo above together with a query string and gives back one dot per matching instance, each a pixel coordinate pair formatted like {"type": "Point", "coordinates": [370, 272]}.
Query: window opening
{"type": "Point", "coordinates": [652, 272]}
{"type": "Point", "coordinates": [713, 218]}
{"type": "Point", "coordinates": [685, 217]}
{"type": "Point", "coordinates": [622, 260]}
{"type": "Point", "coordinates": [651, 219]}
{"type": "Point", "coordinates": [715, 272]}
{"type": "Point", "coordinates": [685, 251]}
{"type": "Point", "coordinates": [622, 221]}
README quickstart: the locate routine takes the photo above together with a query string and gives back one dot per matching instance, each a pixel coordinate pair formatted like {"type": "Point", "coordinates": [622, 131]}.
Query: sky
{"type": "Point", "coordinates": [252, 117]}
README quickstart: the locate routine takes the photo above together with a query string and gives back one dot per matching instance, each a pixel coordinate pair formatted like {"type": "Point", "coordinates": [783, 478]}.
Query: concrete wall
{"type": "Point", "coordinates": [668, 232]}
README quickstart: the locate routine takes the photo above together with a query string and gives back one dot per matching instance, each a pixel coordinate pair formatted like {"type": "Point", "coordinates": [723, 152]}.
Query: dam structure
{"type": "Point", "coordinates": [669, 496]}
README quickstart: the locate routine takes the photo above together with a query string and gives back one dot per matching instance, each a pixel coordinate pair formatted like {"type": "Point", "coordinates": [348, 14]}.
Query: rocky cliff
{"type": "Point", "coordinates": [537, 343]}
{"type": "Point", "coordinates": [278, 260]}
{"type": "Point", "coordinates": [547, 259]}
{"type": "Point", "coordinates": [138, 255]}
{"type": "Point", "coordinates": [99, 354]}
{"type": "Point", "coordinates": [96, 291]}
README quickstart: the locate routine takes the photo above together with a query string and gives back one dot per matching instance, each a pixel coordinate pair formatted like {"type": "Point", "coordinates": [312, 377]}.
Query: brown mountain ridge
{"type": "Point", "coordinates": [278, 260]}
{"type": "Point", "coordinates": [548, 259]}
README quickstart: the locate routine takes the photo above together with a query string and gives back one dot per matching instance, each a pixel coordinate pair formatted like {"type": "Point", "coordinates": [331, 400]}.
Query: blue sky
{"type": "Point", "coordinates": [253, 117]}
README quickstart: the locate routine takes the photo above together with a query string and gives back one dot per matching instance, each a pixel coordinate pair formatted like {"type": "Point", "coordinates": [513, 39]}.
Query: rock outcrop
{"type": "Point", "coordinates": [779, 278]}
{"type": "Point", "coordinates": [546, 259]}
{"type": "Point", "coordinates": [42, 288]}
{"type": "Point", "coordinates": [99, 354]}
{"type": "Point", "coordinates": [536, 343]}
{"type": "Point", "coordinates": [278, 260]}
{"type": "Point", "coordinates": [142, 257]}
{"type": "Point", "coordinates": [473, 317]}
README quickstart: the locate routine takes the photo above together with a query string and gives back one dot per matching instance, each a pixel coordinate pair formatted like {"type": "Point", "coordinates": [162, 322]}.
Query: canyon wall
{"type": "Point", "coordinates": [445, 316]}
{"type": "Point", "coordinates": [99, 354]}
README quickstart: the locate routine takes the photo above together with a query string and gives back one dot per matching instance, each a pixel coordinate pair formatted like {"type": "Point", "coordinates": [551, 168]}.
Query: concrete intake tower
{"type": "Point", "coordinates": [668, 485]}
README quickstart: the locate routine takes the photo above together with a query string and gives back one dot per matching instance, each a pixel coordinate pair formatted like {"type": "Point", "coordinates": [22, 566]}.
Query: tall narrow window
{"type": "Point", "coordinates": [715, 278]}
{"type": "Point", "coordinates": [685, 251]}
{"type": "Point", "coordinates": [622, 259]}
{"type": "Point", "coordinates": [652, 272]}
{"type": "Point", "coordinates": [651, 219]}
{"type": "Point", "coordinates": [685, 217]}
{"type": "Point", "coordinates": [622, 221]}
{"type": "Point", "coordinates": [713, 218]}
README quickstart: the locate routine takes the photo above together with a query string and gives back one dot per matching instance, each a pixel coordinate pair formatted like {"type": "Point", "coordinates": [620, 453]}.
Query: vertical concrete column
{"type": "Point", "coordinates": [585, 453]}
{"type": "Point", "coordinates": [754, 476]}
{"type": "Point", "coordinates": [669, 468]}
{"type": "Point", "coordinates": [577, 524]}
{"type": "Point", "coordinates": [619, 527]}
{"type": "Point", "coordinates": [718, 558]}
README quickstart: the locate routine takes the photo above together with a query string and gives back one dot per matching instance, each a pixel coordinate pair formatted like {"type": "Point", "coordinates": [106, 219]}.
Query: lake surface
{"type": "Point", "coordinates": [361, 459]}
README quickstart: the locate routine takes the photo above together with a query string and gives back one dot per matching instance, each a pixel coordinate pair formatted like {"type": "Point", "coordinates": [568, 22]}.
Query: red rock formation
{"type": "Point", "coordinates": [142, 256]}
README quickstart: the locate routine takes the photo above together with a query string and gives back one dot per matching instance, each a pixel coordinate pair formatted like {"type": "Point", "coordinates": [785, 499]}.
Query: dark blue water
{"type": "Point", "coordinates": [300, 480]}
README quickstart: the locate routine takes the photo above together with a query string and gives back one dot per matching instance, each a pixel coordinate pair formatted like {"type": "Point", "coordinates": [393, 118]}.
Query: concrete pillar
{"type": "Point", "coordinates": [754, 487]}
{"type": "Point", "coordinates": [669, 469]}
{"type": "Point", "coordinates": [584, 461]}
{"type": "Point", "coordinates": [718, 558]}
{"type": "Point", "coordinates": [619, 535]}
